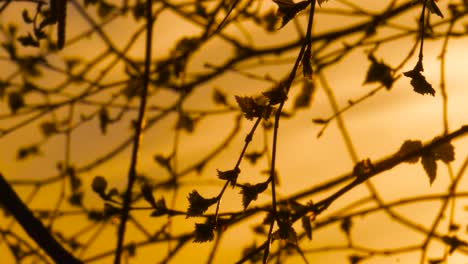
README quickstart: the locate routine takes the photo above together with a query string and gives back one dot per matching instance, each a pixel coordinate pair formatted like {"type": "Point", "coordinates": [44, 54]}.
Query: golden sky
{"type": "Point", "coordinates": [377, 127]}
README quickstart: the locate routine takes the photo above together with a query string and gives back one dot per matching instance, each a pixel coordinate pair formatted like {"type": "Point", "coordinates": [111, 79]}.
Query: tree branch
{"type": "Point", "coordinates": [35, 229]}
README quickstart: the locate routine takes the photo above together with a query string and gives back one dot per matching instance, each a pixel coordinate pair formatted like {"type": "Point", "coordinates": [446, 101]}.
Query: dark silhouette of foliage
{"type": "Point", "coordinates": [105, 82]}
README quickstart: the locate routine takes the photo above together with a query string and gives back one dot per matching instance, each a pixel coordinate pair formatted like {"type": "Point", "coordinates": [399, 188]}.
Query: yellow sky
{"type": "Point", "coordinates": [377, 128]}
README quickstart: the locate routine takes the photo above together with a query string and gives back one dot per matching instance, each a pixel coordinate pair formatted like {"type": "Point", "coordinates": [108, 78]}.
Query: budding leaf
{"type": "Point", "coordinates": [379, 72]}
{"type": "Point", "coordinates": [430, 166]}
{"type": "Point", "coordinates": [230, 175]}
{"type": "Point", "coordinates": [321, 1]}
{"type": "Point", "coordinates": [252, 109]}
{"type": "Point", "coordinates": [285, 232]}
{"type": "Point", "coordinates": [454, 243]}
{"type": "Point", "coordinates": [219, 97]}
{"type": "Point", "coordinates": [198, 204]}
{"type": "Point", "coordinates": [418, 81]}
{"type": "Point", "coordinates": [147, 193]}
{"type": "Point", "coordinates": [28, 40]}
{"type": "Point", "coordinates": [355, 259]}
{"type": "Point", "coordinates": [434, 8]}
{"type": "Point", "coordinates": [444, 152]}
{"type": "Point", "coordinates": [160, 208]}
{"type": "Point", "coordinates": [287, 9]}
{"type": "Point", "coordinates": [408, 147]}
{"type": "Point", "coordinates": [204, 232]}
{"type": "Point", "coordinates": [346, 225]}
{"type": "Point", "coordinates": [276, 95]}
{"type": "Point", "coordinates": [250, 192]}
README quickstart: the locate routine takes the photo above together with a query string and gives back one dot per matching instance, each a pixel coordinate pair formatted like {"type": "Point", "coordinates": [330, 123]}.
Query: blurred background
{"type": "Point", "coordinates": [195, 128]}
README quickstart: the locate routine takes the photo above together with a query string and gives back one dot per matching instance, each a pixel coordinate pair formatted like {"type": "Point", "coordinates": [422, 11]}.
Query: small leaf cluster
{"type": "Point", "coordinates": [198, 204]}
{"type": "Point", "coordinates": [286, 216]}
{"type": "Point", "coordinates": [254, 108]}
{"type": "Point", "coordinates": [444, 152]}
{"type": "Point", "coordinates": [204, 232]}
{"type": "Point", "coordinates": [229, 175]}
{"type": "Point", "coordinates": [250, 192]}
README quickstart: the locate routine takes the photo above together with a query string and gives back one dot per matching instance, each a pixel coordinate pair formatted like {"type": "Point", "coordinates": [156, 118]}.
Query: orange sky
{"type": "Point", "coordinates": [377, 128]}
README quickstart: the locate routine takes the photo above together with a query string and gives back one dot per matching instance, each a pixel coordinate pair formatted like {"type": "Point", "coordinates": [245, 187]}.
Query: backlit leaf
{"type": "Point", "coordinates": [287, 9]}
{"type": "Point", "coordinates": [198, 204]}
{"type": "Point", "coordinates": [418, 81]}
{"type": "Point", "coordinates": [204, 232]}
{"type": "Point", "coordinates": [379, 72]}
{"type": "Point", "coordinates": [408, 147]}
{"type": "Point", "coordinates": [430, 166]}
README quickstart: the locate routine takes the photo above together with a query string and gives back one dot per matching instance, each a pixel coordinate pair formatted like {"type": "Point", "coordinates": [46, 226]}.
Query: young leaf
{"type": "Point", "coordinates": [321, 1]}
{"type": "Point", "coordinates": [408, 147]}
{"type": "Point", "coordinates": [15, 101]}
{"type": "Point", "coordinates": [355, 259]}
{"type": "Point", "coordinates": [430, 166]}
{"type": "Point", "coordinates": [346, 225]}
{"type": "Point", "coordinates": [252, 109]}
{"type": "Point", "coordinates": [287, 9]}
{"type": "Point", "coordinates": [285, 232]}
{"type": "Point", "coordinates": [163, 161]}
{"type": "Point", "coordinates": [444, 152]}
{"type": "Point", "coordinates": [379, 72]}
{"type": "Point", "coordinates": [204, 232]}
{"type": "Point", "coordinates": [198, 204]}
{"type": "Point", "coordinates": [219, 97]}
{"type": "Point", "coordinates": [250, 192]}
{"type": "Point", "coordinates": [28, 40]}
{"type": "Point", "coordinates": [434, 8]}
{"type": "Point", "coordinates": [26, 18]}
{"type": "Point", "coordinates": [160, 208]}
{"type": "Point", "coordinates": [454, 242]}
{"type": "Point", "coordinates": [147, 193]}
{"type": "Point", "coordinates": [276, 95]}
{"type": "Point", "coordinates": [418, 81]}
{"type": "Point", "coordinates": [230, 175]}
